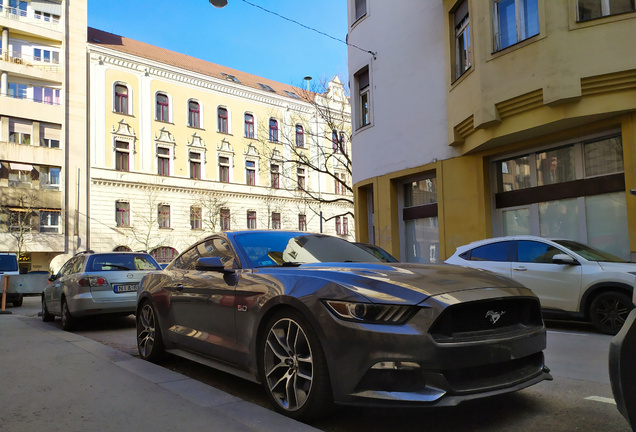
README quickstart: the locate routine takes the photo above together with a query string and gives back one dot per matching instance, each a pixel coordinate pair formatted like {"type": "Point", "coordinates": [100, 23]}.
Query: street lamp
{"type": "Point", "coordinates": [218, 3]}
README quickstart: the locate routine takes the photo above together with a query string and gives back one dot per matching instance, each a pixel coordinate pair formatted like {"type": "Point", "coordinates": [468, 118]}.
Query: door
{"type": "Point", "coordinates": [558, 286]}
{"type": "Point", "coordinates": [494, 257]}
{"type": "Point", "coordinates": [202, 302]}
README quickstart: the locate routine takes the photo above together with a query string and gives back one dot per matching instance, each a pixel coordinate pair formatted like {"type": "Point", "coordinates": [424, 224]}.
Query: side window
{"type": "Point", "coordinates": [78, 264]}
{"type": "Point", "coordinates": [535, 252]}
{"type": "Point", "coordinates": [217, 247]}
{"type": "Point", "coordinates": [66, 268]}
{"type": "Point", "coordinates": [490, 252]}
{"type": "Point", "coordinates": [188, 259]}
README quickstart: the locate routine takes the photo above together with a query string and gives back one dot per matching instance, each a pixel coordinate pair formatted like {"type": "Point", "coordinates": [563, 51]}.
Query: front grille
{"type": "Point", "coordinates": [480, 319]}
{"type": "Point", "coordinates": [497, 375]}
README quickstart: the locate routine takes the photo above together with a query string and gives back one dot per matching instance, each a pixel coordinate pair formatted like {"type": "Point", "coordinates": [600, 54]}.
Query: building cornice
{"type": "Point", "coordinates": [140, 65]}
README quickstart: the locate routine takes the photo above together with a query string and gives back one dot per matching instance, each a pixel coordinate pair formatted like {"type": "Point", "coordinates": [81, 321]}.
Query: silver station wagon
{"type": "Point", "coordinates": [95, 284]}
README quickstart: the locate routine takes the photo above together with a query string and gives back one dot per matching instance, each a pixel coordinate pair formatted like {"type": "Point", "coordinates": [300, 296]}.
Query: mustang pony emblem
{"type": "Point", "coordinates": [494, 316]}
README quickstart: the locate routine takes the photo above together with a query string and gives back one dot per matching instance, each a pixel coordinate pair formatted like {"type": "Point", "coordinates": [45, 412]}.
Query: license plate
{"type": "Point", "coordinates": [125, 288]}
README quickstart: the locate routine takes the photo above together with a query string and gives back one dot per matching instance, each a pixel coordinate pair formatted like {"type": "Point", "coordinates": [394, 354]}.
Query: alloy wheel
{"type": "Point", "coordinates": [148, 339]}
{"type": "Point", "coordinates": [288, 364]}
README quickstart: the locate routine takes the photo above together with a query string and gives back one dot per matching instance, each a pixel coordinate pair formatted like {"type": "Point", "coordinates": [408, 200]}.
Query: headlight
{"type": "Point", "coordinates": [371, 313]}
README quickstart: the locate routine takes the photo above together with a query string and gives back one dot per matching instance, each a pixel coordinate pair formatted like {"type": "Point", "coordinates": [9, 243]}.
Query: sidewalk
{"type": "Point", "coordinates": [58, 381]}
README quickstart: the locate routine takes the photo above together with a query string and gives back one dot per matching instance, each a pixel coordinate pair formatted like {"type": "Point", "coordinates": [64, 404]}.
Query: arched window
{"type": "Point", "coordinates": [300, 136]}
{"type": "Point", "coordinates": [164, 254]}
{"type": "Point", "coordinates": [162, 107]}
{"type": "Point", "coordinates": [194, 114]}
{"type": "Point", "coordinates": [222, 114]}
{"type": "Point", "coordinates": [249, 125]}
{"type": "Point", "coordinates": [273, 130]}
{"type": "Point", "coordinates": [121, 99]}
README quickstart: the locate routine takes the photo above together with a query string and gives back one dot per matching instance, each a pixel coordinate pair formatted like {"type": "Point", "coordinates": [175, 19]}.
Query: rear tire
{"type": "Point", "coordinates": [18, 302]}
{"type": "Point", "coordinates": [293, 368]}
{"type": "Point", "coordinates": [46, 316]}
{"type": "Point", "coordinates": [609, 311]}
{"type": "Point", "coordinates": [149, 340]}
{"type": "Point", "coordinates": [68, 321]}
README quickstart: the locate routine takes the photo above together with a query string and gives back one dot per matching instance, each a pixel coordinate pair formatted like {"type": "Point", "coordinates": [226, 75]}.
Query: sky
{"type": "Point", "coordinates": [239, 36]}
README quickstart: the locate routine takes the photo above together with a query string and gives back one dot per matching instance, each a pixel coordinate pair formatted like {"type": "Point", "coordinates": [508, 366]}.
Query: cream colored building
{"type": "Point", "coordinates": [43, 188]}
{"type": "Point", "coordinates": [503, 117]}
{"type": "Point", "coordinates": [180, 147]}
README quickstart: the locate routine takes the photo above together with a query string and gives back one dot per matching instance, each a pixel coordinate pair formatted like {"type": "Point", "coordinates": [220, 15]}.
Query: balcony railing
{"type": "Point", "coordinates": [30, 61]}
{"type": "Point", "coordinates": [45, 101]}
{"type": "Point", "coordinates": [29, 17]}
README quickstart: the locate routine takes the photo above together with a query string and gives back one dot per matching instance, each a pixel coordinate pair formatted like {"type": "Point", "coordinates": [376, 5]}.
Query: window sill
{"type": "Point", "coordinates": [124, 114]}
{"type": "Point", "coordinates": [164, 121]}
{"type": "Point", "coordinates": [196, 127]}
{"type": "Point", "coordinates": [224, 133]}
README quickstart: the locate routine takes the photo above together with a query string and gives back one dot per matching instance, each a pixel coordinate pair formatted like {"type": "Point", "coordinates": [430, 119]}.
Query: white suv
{"type": "Point", "coordinates": [572, 280]}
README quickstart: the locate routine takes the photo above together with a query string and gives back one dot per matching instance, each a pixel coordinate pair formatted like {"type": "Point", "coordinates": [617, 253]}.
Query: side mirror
{"type": "Point", "coordinates": [563, 259]}
{"type": "Point", "coordinates": [211, 264]}
{"type": "Point", "coordinates": [52, 277]}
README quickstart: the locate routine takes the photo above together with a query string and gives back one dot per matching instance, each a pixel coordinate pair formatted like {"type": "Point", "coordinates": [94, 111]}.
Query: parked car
{"type": "Point", "coordinates": [377, 251]}
{"type": "Point", "coordinates": [571, 279]}
{"type": "Point", "coordinates": [317, 320]}
{"type": "Point", "coordinates": [622, 357]}
{"type": "Point", "coordinates": [95, 284]}
{"type": "Point", "coordinates": [9, 267]}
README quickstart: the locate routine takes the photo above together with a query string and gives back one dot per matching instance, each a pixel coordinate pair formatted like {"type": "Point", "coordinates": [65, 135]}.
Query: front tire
{"type": "Point", "coordinates": [609, 311]}
{"type": "Point", "coordinates": [18, 302]}
{"type": "Point", "coordinates": [293, 367]}
{"type": "Point", "coordinates": [46, 316]}
{"type": "Point", "coordinates": [68, 321]}
{"type": "Point", "coordinates": [149, 341]}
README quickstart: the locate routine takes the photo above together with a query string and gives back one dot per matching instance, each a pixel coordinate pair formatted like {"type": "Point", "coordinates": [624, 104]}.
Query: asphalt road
{"type": "Point", "coordinates": [579, 398]}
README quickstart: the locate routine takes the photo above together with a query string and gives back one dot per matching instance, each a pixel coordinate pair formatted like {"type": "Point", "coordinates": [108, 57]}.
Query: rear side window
{"type": "Point", "coordinates": [121, 262]}
{"type": "Point", "coordinates": [490, 252]}
{"type": "Point", "coordinates": [8, 263]}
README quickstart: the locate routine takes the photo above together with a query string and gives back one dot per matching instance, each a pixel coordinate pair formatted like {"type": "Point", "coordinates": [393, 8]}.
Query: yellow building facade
{"type": "Point", "coordinates": [538, 131]}
{"type": "Point", "coordinates": [180, 147]}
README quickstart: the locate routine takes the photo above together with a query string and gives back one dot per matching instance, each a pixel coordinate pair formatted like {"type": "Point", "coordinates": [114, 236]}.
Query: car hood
{"type": "Point", "coordinates": [618, 267]}
{"type": "Point", "coordinates": [396, 282]}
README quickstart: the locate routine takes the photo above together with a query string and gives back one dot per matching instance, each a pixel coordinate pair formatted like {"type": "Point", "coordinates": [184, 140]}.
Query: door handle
{"type": "Point", "coordinates": [520, 269]}
{"type": "Point", "coordinates": [178, 287]}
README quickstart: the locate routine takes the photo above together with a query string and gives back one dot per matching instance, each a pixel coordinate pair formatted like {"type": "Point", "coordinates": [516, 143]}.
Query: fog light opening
{"type": "Point", "coordinates": [396, 365]}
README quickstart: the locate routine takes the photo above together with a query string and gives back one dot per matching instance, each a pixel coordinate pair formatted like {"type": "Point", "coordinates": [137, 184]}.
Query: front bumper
{"type": "Point", "coordinates": [420, 363]}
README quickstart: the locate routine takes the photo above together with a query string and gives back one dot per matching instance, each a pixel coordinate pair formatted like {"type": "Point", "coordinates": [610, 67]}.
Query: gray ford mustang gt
{"type": "Point", "coordinates": [317, 321]}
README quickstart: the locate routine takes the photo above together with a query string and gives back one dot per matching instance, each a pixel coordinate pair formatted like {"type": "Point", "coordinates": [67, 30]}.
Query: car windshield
{"type": "Point", "coordinates": [121, 262]}
{"type": "Point", "coordinates": [263, 249]}
{"type": "Point", "coordinates": [588, 252]}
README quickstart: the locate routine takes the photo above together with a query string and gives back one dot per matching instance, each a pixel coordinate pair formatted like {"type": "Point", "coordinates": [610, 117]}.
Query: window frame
{"type": "Point", "coordinates": [250, 172]}
{"type": "Point", "coordinates": [194, 116]}
{"type": "Point", "coordinates": [276, 221]}
{"type": "Point", "coordinates": [163, 216]}
{"type": "Point", "coordinates": [122, 214]}
{"type": "Point", "coordinates": [462, 39]}
{"type": "Point", "coordinates": [223, 120]}
{"type": "Point", "coordinates": [274, 170]}
{"type": "Point", "coordinates": [300, 136]}
{"type": "Point", "coordinates": [273, 130]}
{"type": "Point", "coordinates": [122, 154]}
{"type": "Point", "coordinates": [251, 219]}
{"type": "Point", "coordinates": [49, 227]}
{"type": "Point", "coordinates": [224, 169]}
{"type": "Point", "coordinates": [196, 218]}
{"type": "Point", "coordinates": [521, 33]}
{"type": "Point", "coordinates": [195, 165]}
{"type": "Point", "coordinates": [225, 219]}
{"type": "Point", "coordinates": [122, 102]}
{"type": "Point", "coordinates": [249, 125]}
{"type": "Point", "coordinates": [164, 161]}
{"type": "Point", "coordinates": [605, 11]}
{"type": "Point", "coordinates": [162, 114]}
{"type": "Point", "coordinates": [362, 79]}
